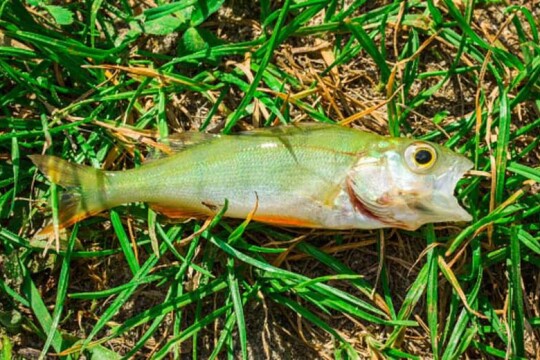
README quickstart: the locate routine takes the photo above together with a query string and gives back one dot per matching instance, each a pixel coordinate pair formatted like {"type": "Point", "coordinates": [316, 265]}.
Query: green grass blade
{"type": "Point", "coordinates": [125, 243]}
{"type": "Point", "coordinates": [63, 281]}
{"type": "Point", "coordinates": [432, 291]}
{"type": "Point", "coordinates": [528, 172]}
{"type": "Point", "coordinates": [238, 306]}
{"type": "Point", "coordinates": [516, 313]}
{"type": "Point", "coordinates": [41, 313]}
{"type": "Point", "coordinates": [272, 43]}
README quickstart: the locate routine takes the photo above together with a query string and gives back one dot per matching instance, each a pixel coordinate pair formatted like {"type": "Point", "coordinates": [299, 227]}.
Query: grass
{"type": "Point", "coordinates": [101, 82]}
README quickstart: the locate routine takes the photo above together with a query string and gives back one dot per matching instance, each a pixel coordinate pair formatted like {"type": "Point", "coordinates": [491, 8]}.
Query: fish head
{"type": "Point", "coordinates": [406, 183]}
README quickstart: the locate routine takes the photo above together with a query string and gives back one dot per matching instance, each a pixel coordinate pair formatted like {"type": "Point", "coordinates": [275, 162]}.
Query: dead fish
{"type": "Point", "coordinates": [309, 175]}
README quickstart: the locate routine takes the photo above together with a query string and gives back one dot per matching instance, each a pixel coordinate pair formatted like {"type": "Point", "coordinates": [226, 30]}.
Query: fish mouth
{"type": "Point", "coordinates": [443, 205]}
{"type": "Point", "coordinates": [430, 200]}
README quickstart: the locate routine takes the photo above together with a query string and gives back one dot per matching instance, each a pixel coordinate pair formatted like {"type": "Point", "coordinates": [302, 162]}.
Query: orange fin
{"type": "Point", "coordinates": [85, 196]}
{"type": "Point", "coordinates": [280, 220]}
{"type": "Point", "coordinates": [179, 212]}
{"type": "Point", "coordinates": [71, 211]}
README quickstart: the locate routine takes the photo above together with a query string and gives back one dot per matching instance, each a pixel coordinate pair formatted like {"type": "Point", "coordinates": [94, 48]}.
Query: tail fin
{"type": "Point", "coordinates": [85, 195]}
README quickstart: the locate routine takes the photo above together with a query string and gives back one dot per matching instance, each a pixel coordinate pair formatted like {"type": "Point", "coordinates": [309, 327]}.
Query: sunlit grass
{"type": "Point", "coordinates": [100, 86]}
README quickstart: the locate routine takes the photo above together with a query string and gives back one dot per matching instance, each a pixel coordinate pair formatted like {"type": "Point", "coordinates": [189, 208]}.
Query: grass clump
{"type": "Point", "coordinates": [101, 82]}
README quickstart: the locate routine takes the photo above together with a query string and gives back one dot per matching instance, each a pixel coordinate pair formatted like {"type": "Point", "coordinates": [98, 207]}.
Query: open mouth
{"type": "Point", "coordinates": [444, 205]}
{"type": "Point", "coordinates": [409, 209]}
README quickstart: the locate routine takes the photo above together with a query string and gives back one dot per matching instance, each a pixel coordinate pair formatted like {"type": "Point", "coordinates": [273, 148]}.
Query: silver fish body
{"type": "Point", "coordinates": [311, 175]}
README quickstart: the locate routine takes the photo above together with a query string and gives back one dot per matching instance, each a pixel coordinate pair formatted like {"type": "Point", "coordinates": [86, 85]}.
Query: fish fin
{"type": "Point", "coordinates": [280, 220]}
{"type": "Point", "coordinates": [179, 142]}
{"type": "Point", "coordinates": [71, 212]}
{"type": "Point", "coordinates": [328, 197]}
{"type": "Point", "coordinates": [186, 139]}
{"type": "Point", "coordinates": [179, 212]}
{"type": "Point", "coordinates": [85, 196]}
{"type": "Point", "coordinates": [287, 130]}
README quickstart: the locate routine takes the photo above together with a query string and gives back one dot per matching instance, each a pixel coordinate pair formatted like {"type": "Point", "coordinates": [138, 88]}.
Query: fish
{"type": "Point", "coordinates": [308, 175]}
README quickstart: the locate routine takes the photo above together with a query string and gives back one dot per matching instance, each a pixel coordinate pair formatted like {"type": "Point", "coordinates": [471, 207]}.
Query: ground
{"type": "Point", "coordinates": [107, 85]}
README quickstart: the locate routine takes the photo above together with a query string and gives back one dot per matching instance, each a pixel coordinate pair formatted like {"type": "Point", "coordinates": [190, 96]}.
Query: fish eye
{"type": "Point", "coordinates": [423, 156]}
{"type": "Point", "coordinates": [420, 156]}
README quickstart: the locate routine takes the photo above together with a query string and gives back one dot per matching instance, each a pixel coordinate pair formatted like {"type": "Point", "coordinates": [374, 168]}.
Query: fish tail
{"type": "Point", "coordinates": [86, 193]}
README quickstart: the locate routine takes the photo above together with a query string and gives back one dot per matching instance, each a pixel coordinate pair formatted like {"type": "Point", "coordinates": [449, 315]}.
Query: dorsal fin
{"type": "Point", "coordinates": [180, 141]}
{"type": "Point", "coordinates": [286, 130]}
